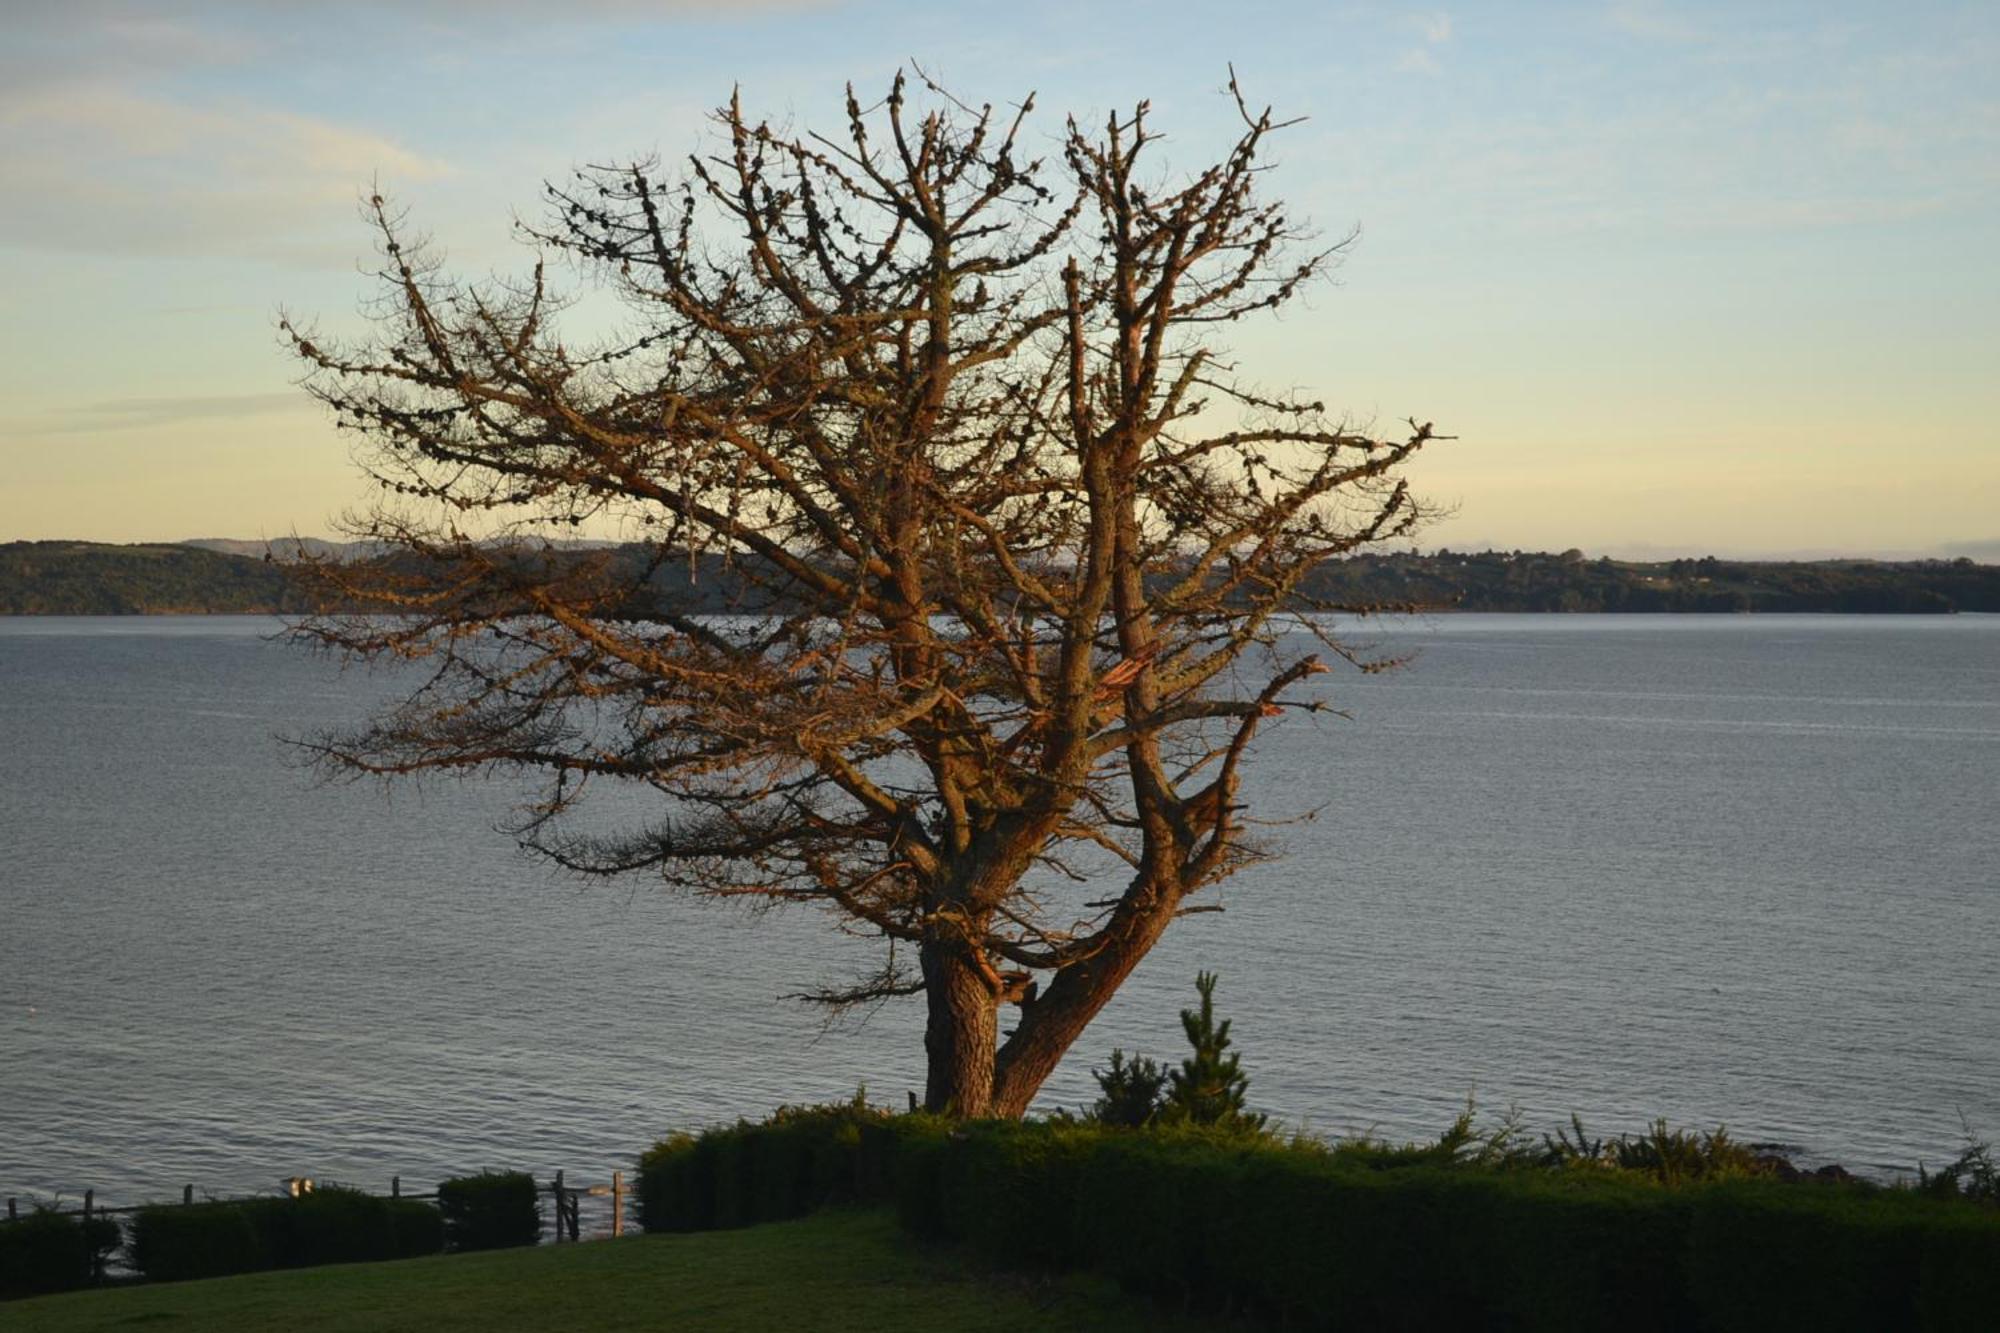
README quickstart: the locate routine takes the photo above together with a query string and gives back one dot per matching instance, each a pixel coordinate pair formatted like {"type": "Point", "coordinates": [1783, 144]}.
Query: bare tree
{"type": "Point", "coordinates": [1020, 544]}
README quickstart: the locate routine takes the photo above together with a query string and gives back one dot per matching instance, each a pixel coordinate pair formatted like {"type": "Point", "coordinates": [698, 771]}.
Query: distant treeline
{"type": "Point", "coordinates": [84, 578]}
{"type": "Point", "coordinates": [89, 579]}
{"type": "Point", "coordinates": [1532, 581]}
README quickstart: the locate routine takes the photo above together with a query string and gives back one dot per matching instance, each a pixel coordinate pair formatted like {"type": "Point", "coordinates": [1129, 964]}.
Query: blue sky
{"type": "Point", "coordinates": [1683, 278]}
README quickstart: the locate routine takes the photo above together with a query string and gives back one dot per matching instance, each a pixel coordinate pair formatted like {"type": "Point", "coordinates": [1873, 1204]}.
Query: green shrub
{"type": "Point", "coordinates": [1210, 1086]}
{"type": "Point", "coordinates": [1958, 1287]}
{"type": "Point", "coordinates": [493, 1210]}
{"type": "Point", "coordinates": [1411, 1249]}
{"type": "Point", "coordinates": [1317, 1238]}
{"type": "Point", "coordinates": [102, 1238]}
{"type": "Point", "coordinates": [805, 1158]}
{"type": "Point", "coordinates": [801, 1159]}
{"type": "Point", "coordinates": [1130, 1091]}
{"type": "Point", "coordinates": [1670, 1156]}
{"type": "Point", "coordinates": [173, 1243]}
{"type": "Point", "coordinates": [1012, 1191]}
{"type": "Point", "coordinates": [337, 1225]}
{"type": "Point", "coordinates": [1471, 1231]}
{"type": "Point", "coordinates": [917, 1146]}
{"type": "Point", "coordinates": [1825, 1257]}
{"type": "Point", "coordinates": [1586, 1252]}
{"type": "Point", "coordinates": [50, 1251]}
{"type": "Point", "coordinates": [729, 1161]}
{"type": "Point", "coordinates": [1974, 1174]}
{"type": "Point", "coordinates": [676, 1191]}
{"type": "Point", "coordinates": [1677, 1157]}
{"type": "Point", "coordinates": [330, 1225]}
{"type": "Point", "coordinates": [1151, 1208]}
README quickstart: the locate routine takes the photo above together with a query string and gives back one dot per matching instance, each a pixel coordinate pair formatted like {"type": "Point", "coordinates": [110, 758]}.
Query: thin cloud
{"type": "Point", "coordinates": [96, 169]}
{"type": "Point", "coordinates": [1839, 137]}
{"type": "Point", "coordinates": [106, 150]}
{"type": "Point", "coordinates": [56, 46]}
{"type": "Point", "coordinates": [56, 42]}
{"type": "Point", "coordinates": [117, 414]}
{"type": "Point", "coordinates": [1654, 22]}
{"type": "Point", "coordinates": [144, 13]}
{"type": "Point", "coordinates": [1436, 30]}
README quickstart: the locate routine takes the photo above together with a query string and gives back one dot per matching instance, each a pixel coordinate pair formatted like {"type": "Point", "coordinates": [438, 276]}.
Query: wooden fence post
{"type": "Point", "coordinates": [559, 1207]}
{"type": "Point", "coordinates": [395, 1187]}
{"type": "Point", "coordinates": [13, 1213]}
{"type": "Point", "coordinates": [187, 1195]}
{"type": "Point", "coordinates": [89, 1200]}
{"type": "Point", "coordinates": [617, 1203]}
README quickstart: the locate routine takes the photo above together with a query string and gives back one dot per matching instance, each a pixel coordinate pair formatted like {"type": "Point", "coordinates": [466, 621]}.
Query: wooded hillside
{"type": "Point", "coordinates": [87, 578]}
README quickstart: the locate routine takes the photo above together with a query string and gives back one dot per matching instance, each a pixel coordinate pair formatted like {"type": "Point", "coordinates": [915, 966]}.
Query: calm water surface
{"type": "Point", "coordinates": [1717, 869]}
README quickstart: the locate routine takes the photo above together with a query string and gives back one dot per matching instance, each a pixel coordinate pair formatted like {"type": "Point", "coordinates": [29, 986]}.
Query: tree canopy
{"type": "Point", "coordinates": [1019, 544]}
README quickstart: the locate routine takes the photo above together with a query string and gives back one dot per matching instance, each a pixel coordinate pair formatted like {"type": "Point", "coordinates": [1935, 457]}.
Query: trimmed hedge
{"type": "Point", "coordinates": [800, 1160]}
{"type": "Point", "coordinates": [195, 1240]}
{"type": "Point", "coordinates": [494, 1210]}
{"type": "Point", "coordinates": [331, 1225]}
{"type": "Point", "coordinates": [1784, 1259]}
{"type": "Point", "coordinates": [49, 1251]}
{"type": "Point", "coordinates": [1321, 1239]}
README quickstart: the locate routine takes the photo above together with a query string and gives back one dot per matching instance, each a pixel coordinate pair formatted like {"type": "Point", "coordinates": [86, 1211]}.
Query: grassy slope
{"type": "Point", "coordinates": [832, 1271]}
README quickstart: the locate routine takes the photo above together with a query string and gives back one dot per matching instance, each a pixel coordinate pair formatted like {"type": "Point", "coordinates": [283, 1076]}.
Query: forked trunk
{"type": "Point", "coordinates": [1073, 997]}
{"type": "Point", "coordinates": [968, 1074]}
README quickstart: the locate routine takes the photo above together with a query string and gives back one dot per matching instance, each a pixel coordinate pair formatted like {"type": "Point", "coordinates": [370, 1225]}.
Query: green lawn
{"type": "Point", "coordinates": [842, 1270]}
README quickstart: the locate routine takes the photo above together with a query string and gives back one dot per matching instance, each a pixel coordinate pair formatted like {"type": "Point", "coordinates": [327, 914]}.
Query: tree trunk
{"type": "Point", "coordinates": [962, 1033]}
{"type": "Point", "coordinates": [1074, 997]}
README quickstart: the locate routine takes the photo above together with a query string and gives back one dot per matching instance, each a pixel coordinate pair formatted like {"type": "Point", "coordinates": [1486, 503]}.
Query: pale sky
{"type": "Point", "coordinates": [1683, 278]}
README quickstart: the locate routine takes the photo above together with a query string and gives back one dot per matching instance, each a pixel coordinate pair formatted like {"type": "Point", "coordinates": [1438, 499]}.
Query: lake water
{"type": "Point", "coordinates": [1734, 870]}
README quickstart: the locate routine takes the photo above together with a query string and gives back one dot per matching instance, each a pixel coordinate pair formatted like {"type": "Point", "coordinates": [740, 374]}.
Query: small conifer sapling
{"type": "Point", "coordinates": [1132, 1090]}
{"type": "Point", "coordinates": [1209, 1087]}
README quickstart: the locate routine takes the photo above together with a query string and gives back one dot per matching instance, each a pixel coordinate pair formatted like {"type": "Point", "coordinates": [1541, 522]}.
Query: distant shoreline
{"type": "Point", "coordinates": [58, 578]}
